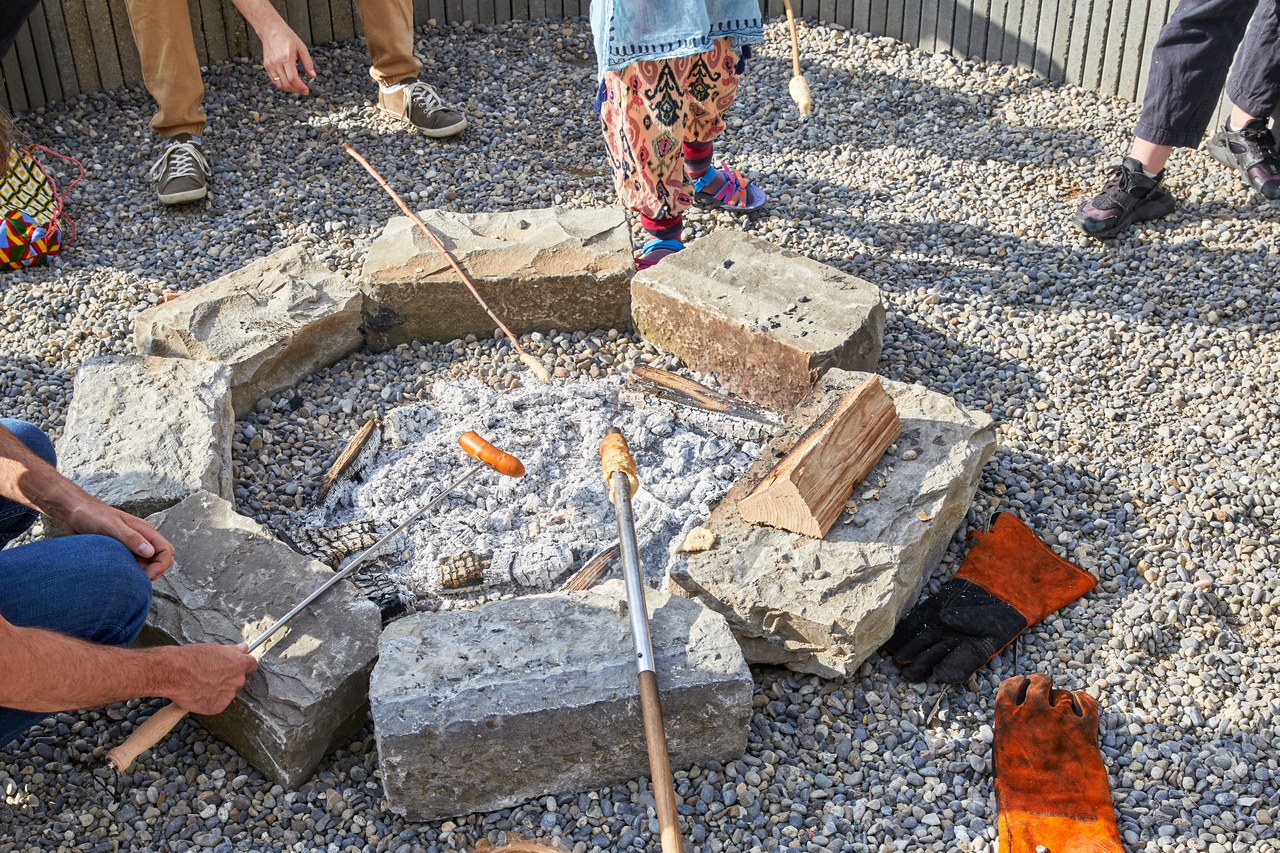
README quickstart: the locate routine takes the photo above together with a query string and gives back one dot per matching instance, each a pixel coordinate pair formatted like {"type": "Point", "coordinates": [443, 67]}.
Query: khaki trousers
{"type": "Point", "coordinates": [171, 70]}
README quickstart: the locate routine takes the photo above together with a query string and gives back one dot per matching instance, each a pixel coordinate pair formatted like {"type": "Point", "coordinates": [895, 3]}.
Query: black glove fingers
{"type": "Point", "coordinates": [924, 663]}
{"type": "Point", "coordinates": [966, 658]}
{"type": "Point", "coordinates": [924, 619]}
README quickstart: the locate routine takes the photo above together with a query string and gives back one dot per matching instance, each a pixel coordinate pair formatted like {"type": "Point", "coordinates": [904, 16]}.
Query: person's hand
{"type": "Point", "coordinates": [282, 51]}
{"type": "Point", "coordinates": [152, 551]}
{"type": "Point", "coordinates": [207, 676]}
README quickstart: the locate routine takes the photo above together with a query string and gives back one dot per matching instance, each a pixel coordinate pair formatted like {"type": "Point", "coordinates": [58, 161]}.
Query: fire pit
{"type": "Point", "coordinates": [504, 537]}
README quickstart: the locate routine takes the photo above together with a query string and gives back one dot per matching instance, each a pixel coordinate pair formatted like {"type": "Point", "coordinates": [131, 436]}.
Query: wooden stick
{"type": "Point", "coordinates": [799, 86]}
{"type": "Point", "coordinates": [655, 740]}
{"type": "Point", "coordinates": [528, 360]}
{"type": "Point", "coordinates": [586, 577]}
{"type": "Point", "coordinates": [146, 736]}
{"type": "Point", "coordinates": [345, 459]}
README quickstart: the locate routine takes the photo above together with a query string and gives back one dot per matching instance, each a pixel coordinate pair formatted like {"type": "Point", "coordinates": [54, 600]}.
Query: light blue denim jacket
{"type": "Point", "coordinates": [628, 31]}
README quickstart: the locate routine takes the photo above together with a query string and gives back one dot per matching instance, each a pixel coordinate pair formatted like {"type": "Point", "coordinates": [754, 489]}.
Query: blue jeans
{"type": "Point", "coordinates": [1190, 62]}
{"type": "Point", "coordinates": [83, 586]}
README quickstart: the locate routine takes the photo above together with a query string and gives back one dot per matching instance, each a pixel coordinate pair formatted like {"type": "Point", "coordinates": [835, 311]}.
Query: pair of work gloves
{"type": "Point", "coordinates": [1051, 786]}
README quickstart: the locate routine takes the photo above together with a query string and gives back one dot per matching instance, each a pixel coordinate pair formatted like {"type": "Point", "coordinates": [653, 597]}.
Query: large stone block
{"type": "Point", "coordinates": [479, 710]}
{"type": "Point", "coordinates": [143, 433]}
{"type": "Point", "coordinates": [766, 321]}
{"type": "Point", "coordinates": [272, 322]}
{"type": "Point", "coordinates": [539, 270]}
{"type": "Point", "coordinates": [824, 605]}
{"type": "Point", "coordinates": [230, 581]}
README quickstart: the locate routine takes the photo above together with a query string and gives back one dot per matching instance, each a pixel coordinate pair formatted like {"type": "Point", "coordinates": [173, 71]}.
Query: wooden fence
{"type": "Point", "coordinates": [73, 46]}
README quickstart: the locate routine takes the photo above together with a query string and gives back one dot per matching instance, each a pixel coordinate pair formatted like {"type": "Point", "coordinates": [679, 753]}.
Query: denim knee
{"type": "Point", "coordinates": [122, 591]}
{"type": "Point", "coordinates": [33, 437]}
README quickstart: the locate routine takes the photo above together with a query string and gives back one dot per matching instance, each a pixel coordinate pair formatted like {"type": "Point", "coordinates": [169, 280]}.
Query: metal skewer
{"type": "Point", "coordinates": [162, 722]}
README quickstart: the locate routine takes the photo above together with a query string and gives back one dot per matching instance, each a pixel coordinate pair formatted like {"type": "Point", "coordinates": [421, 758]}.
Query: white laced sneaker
{"type": "Point", "coordinates": [182, 173]}
{"type": "Point", "coordinates": [422, 107]}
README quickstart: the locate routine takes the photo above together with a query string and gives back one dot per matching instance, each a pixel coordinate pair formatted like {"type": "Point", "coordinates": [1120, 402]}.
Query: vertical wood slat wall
{"type": "Point", "coordinates": [74, 46]}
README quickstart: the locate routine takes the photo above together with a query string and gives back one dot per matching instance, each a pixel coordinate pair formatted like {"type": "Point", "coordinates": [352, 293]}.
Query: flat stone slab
{"type": "Point", "coordinates": [539, 270]}
{"type": "Point", "coordinates": [766, 321]}
{"type": "Point", "coordinates": [483, 709]}
{"type": "Point", "coordinates": [273, 322]}
{"type": "Point", "coordinates": [825, 605]}
{"type": "Point", "coordinates": [231, 580]}
{"type": "Point", "coordinates": [143, 432]}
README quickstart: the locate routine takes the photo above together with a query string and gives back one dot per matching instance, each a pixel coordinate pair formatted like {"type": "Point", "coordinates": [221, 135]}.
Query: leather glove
{"type": "Point", "coordinates": [1051, 785]}
{"type": "Point", "coordinates": [1009, 581]}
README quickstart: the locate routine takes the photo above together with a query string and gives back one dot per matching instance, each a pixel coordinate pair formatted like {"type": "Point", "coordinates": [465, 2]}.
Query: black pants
{"type": "Point", "coordinates": [13, 14]}
{"type": "Point", "coordinates": [1190, 61]}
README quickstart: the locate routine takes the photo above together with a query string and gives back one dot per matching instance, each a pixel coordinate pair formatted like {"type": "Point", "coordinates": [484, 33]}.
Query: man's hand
{"type": "Point", "coordinates": [282, 51]}
{"type": "Point", "coordinates": [152, 551]}
{"type": "Point", "coordinates": [207, 676]}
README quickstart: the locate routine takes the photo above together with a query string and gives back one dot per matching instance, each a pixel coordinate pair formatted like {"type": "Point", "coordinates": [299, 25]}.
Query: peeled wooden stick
{"type": "Point", "coordinates": [798, 87]}
{"type": "Point", "coordinates": [529, 361]}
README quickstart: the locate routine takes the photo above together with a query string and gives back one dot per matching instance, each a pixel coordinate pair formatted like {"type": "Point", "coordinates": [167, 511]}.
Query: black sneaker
{"type": "Point", "coordinates": [1252, 151]}
{"type": "Point", "coordinates": [1129, 196]}
{"type": "Point", "coordinates": [182, 172]}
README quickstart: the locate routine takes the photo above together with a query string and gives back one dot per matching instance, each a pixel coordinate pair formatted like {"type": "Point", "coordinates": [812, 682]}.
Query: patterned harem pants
{"type": "Point", "coordinates": [651, 108]}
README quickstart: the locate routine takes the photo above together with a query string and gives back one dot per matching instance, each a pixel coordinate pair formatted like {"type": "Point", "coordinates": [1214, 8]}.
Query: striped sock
{"type": "Point", "coordinates": [697, 158]}
{"type": "Point", "coordinates": [663, 229]}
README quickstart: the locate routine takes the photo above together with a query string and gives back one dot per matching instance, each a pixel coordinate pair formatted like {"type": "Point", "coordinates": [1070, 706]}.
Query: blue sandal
{"type": "Point", "coordinates": [655, 250]}
{"type": "Point", "coordinates": [737, 193]}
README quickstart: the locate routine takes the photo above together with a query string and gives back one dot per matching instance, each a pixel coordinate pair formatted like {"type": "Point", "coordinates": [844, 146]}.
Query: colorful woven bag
{"type": "Point", "coordinates": [32, 209]}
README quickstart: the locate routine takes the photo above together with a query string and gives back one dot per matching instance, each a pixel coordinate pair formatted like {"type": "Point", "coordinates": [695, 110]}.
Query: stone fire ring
{"type": "Point", "coordinates": [776, 319]}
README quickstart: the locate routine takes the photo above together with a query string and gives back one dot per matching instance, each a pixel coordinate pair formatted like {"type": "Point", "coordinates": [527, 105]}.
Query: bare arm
{"type": "Point", "coordinates": [29, 480]}
{"type": "Point", "coordinates": [282, 50]}
{"type": "Point", "coordinates": [44, 671]}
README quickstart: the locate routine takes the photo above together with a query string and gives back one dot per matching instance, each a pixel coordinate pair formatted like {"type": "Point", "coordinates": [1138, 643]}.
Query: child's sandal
{"type": "Point", "coordinates": [655, 250]}
{"type": "Point", "coordinates": [737, 193]}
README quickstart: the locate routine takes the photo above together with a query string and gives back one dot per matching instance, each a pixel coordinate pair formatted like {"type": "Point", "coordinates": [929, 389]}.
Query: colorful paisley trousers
{"type": "Point", "coordinates": [651, 108]}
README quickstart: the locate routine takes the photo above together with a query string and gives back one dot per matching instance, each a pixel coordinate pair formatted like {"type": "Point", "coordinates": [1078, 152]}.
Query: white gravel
{"type": "Point", "coordinates": [1134, 385]}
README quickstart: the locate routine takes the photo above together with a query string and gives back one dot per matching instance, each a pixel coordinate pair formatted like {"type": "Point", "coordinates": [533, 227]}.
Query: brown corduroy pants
{"type": "Point", "coordinates": [171, 69]}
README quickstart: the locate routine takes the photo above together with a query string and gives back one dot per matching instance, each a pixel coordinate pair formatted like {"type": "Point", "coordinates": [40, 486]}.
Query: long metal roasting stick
{"type": "Point", "coordinates": [528, 360]}
{"type": "Point", "coordinates": [162, 722]}
{"type": "Point", "coordinates": [620, 472]}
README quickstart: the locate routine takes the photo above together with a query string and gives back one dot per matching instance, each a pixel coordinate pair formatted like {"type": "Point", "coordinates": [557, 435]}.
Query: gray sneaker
{"type": "Point", "coordinates": [182, 173]}
{"type": "Point", "coordinates": [422, 107]}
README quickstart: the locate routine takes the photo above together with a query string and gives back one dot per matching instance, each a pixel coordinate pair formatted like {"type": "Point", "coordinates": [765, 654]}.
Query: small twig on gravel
{"type": "Point", "coordinates": [528, 360]}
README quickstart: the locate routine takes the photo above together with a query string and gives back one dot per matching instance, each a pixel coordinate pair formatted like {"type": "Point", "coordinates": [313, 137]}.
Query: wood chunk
{"type": "Point", "coordinates": [332, 545]}
{"type": "Point", "coordinates": [806, 490]}
{"type": "Point", "coordinates": [586, 577]}
{"type": "Point", "coordinates": [346, 462]}
{"type": "Point", "coordinates": [464, 569]}
{"type": "Point", "coordinates": [691, 402]}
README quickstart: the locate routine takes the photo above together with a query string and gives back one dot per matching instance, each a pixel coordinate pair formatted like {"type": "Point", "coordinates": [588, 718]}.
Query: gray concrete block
{"type": "Point", "coordinates": [766, 321]}
{"type": "Point", "coordinates": [482, 709]}
{"type": "Point", "coordinates": [538, 270]}
{"type": "Point", "coordinates": [825, 605]}
{"type": "Point", "coordinates": [272, 322]}
{"type": "Point", "coordinates": [231, 580]}
{"type": "Point", "coordinates": [143, 433]}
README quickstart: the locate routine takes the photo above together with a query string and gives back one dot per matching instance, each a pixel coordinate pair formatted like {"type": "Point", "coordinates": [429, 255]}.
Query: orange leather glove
{"type": "Point", "coordinates": [1051, 786]}
{"type": "Point", "coordinates": [1009, 581]}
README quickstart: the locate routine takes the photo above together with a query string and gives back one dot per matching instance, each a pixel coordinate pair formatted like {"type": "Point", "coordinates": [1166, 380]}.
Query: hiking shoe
{"type": "Point", "coordinates": [422, 107]}
{"type": "Point", "coordinates": [1252, 151]}
{"type": "Point", "coordinates": [1129, 196]}
{"type": "Point", "coordinates": [182, 172]}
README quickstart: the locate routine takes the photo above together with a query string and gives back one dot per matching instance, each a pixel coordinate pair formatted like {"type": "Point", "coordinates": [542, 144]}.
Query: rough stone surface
{"type": "Point", "coordinates": [824, 605]}
{"type": "Point", "coordinates": [272, 322]}
{"type": "Point", "coordinates": [230, 581]}
{"type": "Point", "coordinates": [478, 710]}
{"type": "Point", "coordinates": [766, 320]}
{"type": "Point", "coordinates": [143, 433]}
{"type": "Point", "coordinates": [539, 270]}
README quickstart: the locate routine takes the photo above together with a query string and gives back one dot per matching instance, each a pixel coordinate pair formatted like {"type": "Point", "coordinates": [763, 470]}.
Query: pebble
{"type": "Point", "coordinates": [1132, 384]}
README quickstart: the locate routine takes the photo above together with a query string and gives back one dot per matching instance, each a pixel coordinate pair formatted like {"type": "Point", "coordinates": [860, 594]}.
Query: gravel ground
{"type": "Point", "coordinates": [1133, 384]}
